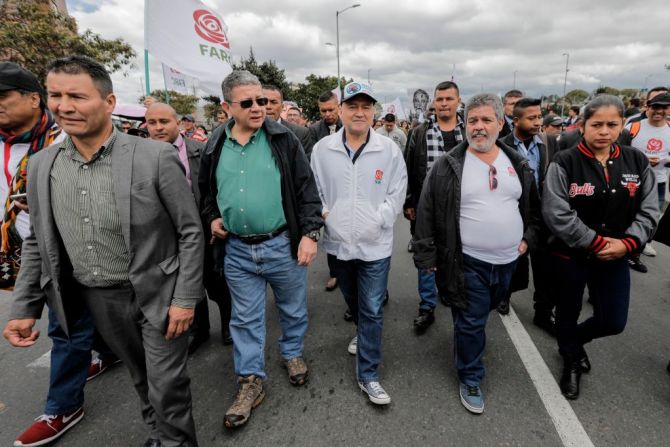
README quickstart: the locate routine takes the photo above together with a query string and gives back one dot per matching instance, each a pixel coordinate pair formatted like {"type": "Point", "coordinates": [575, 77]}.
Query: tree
{"type": "Point", "coordinates": [630, 92]}
{"type": "Point", "coordinates": [212, 107]}
{"type": "Point", "coordinates": [267, 72]}
{"type": "Point", "coordinates": [307, 94]}
{"type": "Point", "coordinates": [33, 35]}
{"type": "Point", "coordinates": [608, 90]}
{"type": "Point", "coordinates": [182, 104]}
{"type": "Point", "coordinates": [577, 96]}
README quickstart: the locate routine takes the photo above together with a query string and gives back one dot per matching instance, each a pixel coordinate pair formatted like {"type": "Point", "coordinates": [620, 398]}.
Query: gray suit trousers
{"type": "Point", "coordinates": [157, 366]}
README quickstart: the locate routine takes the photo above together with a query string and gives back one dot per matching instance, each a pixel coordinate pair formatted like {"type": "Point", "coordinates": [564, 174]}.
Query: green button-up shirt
{"type": "Point", "coordinates": [249, 186]}
{"type": "Point", "coordinates": [84, 209]}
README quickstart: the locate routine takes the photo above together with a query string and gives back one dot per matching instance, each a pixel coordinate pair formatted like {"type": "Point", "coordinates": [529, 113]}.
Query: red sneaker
{"type": "Point", "coordinates": [47, 428]}
{"type": "Point", "coordinates": [99, 366]}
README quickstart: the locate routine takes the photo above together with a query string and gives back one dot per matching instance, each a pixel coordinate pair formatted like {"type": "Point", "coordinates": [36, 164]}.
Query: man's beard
{"type": "Point", "coordinates": [482, 147]}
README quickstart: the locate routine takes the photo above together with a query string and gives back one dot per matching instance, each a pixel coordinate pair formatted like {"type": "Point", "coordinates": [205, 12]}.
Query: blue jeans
{"type": "Point", "coordinates": [609, 289]}
{"type": "Point", "coordinates": [249, 268]}
{"type": "Point", "coordinates": [363, 284]}
{"type": "Point", "coordinates": [427, 290]}
{"type": "Point", "coordinates": [70, 360]}
{"type": "Point", "coordinates": [485, 286]}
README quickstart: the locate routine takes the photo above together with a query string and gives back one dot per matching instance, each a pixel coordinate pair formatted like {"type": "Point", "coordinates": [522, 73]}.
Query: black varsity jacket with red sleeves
{"type": "Point", "coordinates": [582, 202]}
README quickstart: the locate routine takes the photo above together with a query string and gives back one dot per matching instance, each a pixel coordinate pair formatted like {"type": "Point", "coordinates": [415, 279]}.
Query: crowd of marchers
{"type": "Point", "coordinates": [124, 239]}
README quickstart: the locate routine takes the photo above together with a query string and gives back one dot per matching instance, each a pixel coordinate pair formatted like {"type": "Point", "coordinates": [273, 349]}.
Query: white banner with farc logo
{"type": "Point", "coordinates": [189, 37]}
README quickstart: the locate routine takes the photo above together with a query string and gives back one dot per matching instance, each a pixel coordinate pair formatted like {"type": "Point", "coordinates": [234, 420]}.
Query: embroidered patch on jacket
{"type": "Point", "coordinates": [631, 182]}
{"type": "Point", "coordinates": [379, 175]}
{"type": "Point", "coordinates": [586, 189]}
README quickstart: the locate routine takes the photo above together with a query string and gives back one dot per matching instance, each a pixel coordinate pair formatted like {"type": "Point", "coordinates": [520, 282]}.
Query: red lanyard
{"type": "Point", "coordinates": [8, 153]}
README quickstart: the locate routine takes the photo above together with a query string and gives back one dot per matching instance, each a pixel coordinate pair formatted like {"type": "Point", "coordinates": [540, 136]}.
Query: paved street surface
{"type": "Point", "coordinates": [625, 400]}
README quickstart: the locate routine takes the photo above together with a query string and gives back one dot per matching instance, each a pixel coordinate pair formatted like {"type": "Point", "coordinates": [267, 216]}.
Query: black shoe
{"type": "Point", "coordinates": [153, 443]}
{"type": "Point", "coordinates": [445, 300]}
{"type": "Point", "coordinates": [546, 322]}
{"type": "Point", "coordinates": [503, 307]}
{"type": "Point", "coordinates": [386, 298]}
{"type": "Point", "coordinates": [410, 246]}
{"type": "Point", "coordinates": [636, 264]}
{"type": "Point", "coordinates": [195, 340]}
{"type": "Point", "coordinates": [347, 315]}
{"type": "Point", "coordinates": [226, 338]}
{"type": "Point", "coordinates": [584, 362]}
{"type": "Point", "coordinates": [572, 373]}
{"type": "Point", "coordinates": [424, 320]}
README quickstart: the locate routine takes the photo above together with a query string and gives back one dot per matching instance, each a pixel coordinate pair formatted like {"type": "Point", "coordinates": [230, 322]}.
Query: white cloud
{"type": "Point", "coordinates": [410, 43]}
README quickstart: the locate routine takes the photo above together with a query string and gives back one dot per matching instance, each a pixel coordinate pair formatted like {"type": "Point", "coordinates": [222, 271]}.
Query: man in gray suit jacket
{"type": "Point", "coordinates": [163, 125]}
{"type": "Point", "coordinates": [114, 228]}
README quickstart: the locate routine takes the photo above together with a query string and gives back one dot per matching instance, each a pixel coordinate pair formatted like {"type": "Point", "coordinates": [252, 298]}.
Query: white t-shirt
{"type": "Point", "coordinates": [491, 224]}
{"type": "Point", "coordinates": [654, 142]}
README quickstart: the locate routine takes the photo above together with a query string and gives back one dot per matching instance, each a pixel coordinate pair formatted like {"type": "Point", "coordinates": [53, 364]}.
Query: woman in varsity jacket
{"type": "Point", "coordinates": [601, 205]}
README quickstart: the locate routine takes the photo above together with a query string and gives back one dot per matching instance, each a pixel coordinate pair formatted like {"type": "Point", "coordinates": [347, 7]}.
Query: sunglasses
{"type": "Point", "coordinates": [493, 181]}
{"type": "Point", "coordinates": [247, 103]}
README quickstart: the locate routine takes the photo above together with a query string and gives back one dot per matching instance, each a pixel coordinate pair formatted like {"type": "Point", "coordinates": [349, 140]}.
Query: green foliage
{"type": "Point", "coordinates": [183, 104]}
{"type": "Point", "coordinates": [630, 92]}
{"type": "Point", "coordinates": [307, 94]}
{"type": "Point", "coordinates": [577, 96]}
{"type": "Point", "coordinates": [35, 35]}
{"type": "Point", "coordinates": [211, 108]}
{"type": "Point", "coordinates": [267, 72]}
{"type": "Point", "coordinates": [608, 90]}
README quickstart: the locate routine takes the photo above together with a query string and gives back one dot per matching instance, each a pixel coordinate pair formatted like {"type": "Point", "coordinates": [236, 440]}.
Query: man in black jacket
{"type": "Point", "coordinates": [327, 125]}
{"type": "Point", "coordinates": [538, 148]}
{"type": "Point", "coordinates": [260, 199]}
{"type": "Point", "coordinates": [478, 212]}
{"type": "Point", "coordinates": [273, 110]}
{"type": "Point", "coordinates": [429, 141]}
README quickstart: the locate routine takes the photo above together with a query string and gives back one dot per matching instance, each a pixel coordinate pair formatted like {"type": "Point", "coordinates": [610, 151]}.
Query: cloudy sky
{"type": "Point", "coordinates": [417, 43]}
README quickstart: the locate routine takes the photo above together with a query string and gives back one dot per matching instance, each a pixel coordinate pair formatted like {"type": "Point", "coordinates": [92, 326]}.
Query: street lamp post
{"type": "Point", "coordinates": [565, 81]}
{"type": "Point", "coordinates": [369, 70]}
{"type": "Point", "coordinates": [514, 82]}
{"type": "Point", "coordinates": [337, 48]}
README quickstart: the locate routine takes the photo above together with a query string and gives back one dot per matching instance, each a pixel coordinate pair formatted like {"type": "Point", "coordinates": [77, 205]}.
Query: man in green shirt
{"type": "Point", "coordinates": [260, 199]}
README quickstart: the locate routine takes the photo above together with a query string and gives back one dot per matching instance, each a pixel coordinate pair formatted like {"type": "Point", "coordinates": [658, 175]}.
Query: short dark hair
{"type": "Point", "coordinates": [78, 64]}
{"type": "Point", "coordinates": [601, 101]}
{"type": "Point", "coordinates": [513, 94]}
{"type": "Point", "coordinates": [327, 96]}
{"type": "Point", "coordinates": [523, 104]}
{"type": "Point", "coordinates": [575, 109]}
{"type": "Point", "coordinates": [446, 85]}
{"type": "Point", "coordinates": [274, 88]}
{"type": "Point", "coordinates": [657, 89]}
{"type": "Point", "coordinates": [635, 102]}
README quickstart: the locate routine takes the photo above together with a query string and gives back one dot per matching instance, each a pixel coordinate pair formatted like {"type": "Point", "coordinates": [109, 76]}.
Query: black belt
{"type": "Point", "coordinates": [258, 238]}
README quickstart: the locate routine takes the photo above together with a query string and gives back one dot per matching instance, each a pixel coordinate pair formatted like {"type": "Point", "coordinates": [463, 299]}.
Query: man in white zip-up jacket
{"type": "Point", "coordinates": [362, 179]}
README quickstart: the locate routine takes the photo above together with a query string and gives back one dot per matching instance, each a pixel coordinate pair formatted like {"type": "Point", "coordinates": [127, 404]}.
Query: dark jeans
{"type": "Point", "coordinates": [217, 291]}
{"type": "Point", "coordinates": [609, 288]}
{"type": "Point", "coordinates": [363, 284]}
{"type": "Point", "coordinates": [543, 299]}
{"type": "Point", "coordinates": [331, 267]}
{"type": "Point", "coordinates": [485, 286]}
{"type": "Point", "coordinates": [70, 360]}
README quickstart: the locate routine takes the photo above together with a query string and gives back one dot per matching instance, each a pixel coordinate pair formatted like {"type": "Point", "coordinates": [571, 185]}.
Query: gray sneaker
{"type": "Point", "coordinates": [353, 346]}
{"type": "Point", "coordinates": [472, 398]}
{"type": "Point", "coordinates": [375, 392]}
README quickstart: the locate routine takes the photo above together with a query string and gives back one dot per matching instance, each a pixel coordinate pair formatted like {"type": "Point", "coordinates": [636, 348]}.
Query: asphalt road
{"type": "Point", "coordinates": [625, 400]}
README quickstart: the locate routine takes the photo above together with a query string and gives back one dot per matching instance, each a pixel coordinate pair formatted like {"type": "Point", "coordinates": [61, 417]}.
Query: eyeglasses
{"type": "Point", "coordinates": [247, 103]}
{"type": "Point", "coordinates": [493, 181]}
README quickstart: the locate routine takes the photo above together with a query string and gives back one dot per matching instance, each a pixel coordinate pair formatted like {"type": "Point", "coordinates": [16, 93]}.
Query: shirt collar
{"type": "Point", "coordinates": [179, 142]}
{"type": "Point", "coordinates": [536, 139]}
{"type": "Point", "coordinates": [229, 132]}
{"type": "Point", "coordinates": [106, 148]}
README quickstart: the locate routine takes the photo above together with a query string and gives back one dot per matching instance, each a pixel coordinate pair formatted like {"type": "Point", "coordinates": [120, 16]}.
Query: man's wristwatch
{"type": "Point", "coordinates": [314, 235]}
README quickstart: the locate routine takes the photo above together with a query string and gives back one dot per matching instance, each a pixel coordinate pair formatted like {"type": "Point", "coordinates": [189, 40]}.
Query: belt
{"type": "Point", "coordinates": [258, 238]}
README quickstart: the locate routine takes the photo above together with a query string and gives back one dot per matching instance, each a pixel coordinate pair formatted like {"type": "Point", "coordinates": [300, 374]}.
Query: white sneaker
{"type": "Point", "coordinates": [375, 392]}
{"type": "Point", "coordinates": [353, 346]}
{"type": "Point", "coordinates": [648, 250]}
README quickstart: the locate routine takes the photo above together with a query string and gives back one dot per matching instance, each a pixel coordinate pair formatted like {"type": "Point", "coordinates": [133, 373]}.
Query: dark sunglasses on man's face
{"type": "Point", "coordinates": [247, 103]}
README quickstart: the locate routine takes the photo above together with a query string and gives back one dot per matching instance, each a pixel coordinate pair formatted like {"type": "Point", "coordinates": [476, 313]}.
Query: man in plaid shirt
{"type": "Point", "coordinates": [428, 142]}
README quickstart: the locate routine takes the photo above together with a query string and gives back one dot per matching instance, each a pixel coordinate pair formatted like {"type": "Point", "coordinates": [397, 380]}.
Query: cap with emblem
{"type": "Point", "coordinates": [353, 89]}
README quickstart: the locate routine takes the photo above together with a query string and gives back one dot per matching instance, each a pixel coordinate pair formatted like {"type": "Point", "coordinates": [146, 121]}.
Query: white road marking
{"type": "Point", "coordinates": [565, 420]}
{"type": "Point", "coordinates": [42, 362]}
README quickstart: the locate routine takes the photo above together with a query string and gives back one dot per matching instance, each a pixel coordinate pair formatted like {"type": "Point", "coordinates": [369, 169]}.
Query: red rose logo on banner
{"type": "Point", "coordinates": [654, 145]}
{"type": "Point", "coordinates": [209, 27]}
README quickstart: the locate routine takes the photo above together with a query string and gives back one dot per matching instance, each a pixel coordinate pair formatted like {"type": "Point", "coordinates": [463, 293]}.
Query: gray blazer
{"type": "Point", "coordinates": [160, 224]}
